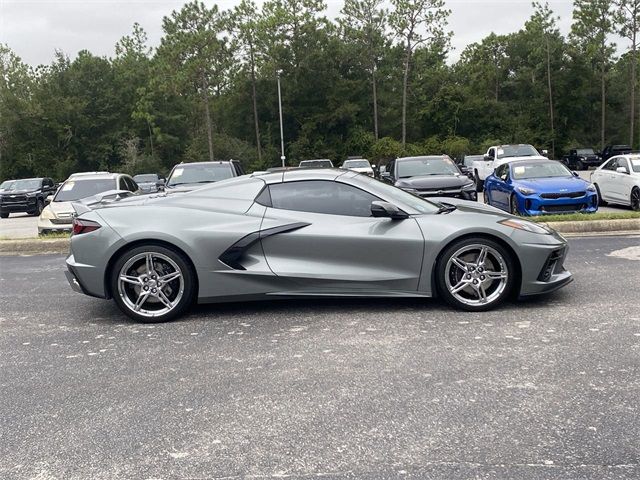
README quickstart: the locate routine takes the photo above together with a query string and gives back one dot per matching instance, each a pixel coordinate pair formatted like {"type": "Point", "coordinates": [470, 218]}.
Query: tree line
{"type": "Point", "coordinates": [375, 82]}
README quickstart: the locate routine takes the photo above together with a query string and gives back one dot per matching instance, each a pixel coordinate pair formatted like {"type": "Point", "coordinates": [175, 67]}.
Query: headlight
{"type": "Point", "coordinates": [410, 190]}
{"type": "Point", "coordinates": [47, 214]}
{"type": "Point", "coordinates": [525, 225]}
{"type": "Point", "coordinates": [525, 190]}
{"type": "Point", "coordinates": [591, 187]}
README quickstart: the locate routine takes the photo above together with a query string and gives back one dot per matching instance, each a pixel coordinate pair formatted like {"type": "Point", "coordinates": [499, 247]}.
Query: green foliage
{"type": "Point", "coordinates": [209, 89]}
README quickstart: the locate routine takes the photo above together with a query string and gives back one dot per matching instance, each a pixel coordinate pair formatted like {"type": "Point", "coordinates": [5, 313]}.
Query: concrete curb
{"type": "Point", "coordinates": [34, 246]}
{"type": "Point", "coordinates": [631, 225]}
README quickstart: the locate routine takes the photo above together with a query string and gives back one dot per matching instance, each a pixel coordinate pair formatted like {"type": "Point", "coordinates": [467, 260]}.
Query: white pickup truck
{"type": "Point", "coordinates": [499, 154]}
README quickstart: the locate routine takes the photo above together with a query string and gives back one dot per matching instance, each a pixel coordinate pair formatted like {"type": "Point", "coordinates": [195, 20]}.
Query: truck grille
{"type": "Point", "coordinates": [14, 199]}
{"type": "Point", "coordinates": [563, 195]}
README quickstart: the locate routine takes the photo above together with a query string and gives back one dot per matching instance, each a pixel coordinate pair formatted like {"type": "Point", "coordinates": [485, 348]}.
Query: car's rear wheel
{"type": "Point", "coordinates": [579, 165]}
{"type": "Point", "coordinates": [635, 199]}
{"type": "Point", "coordinates": [513, 206]}
{"type": "Point", "coordinates": [475, 274]}
{"type": "Point", "coordinates": [601, 202]}
{"type": "Point", "coordinates": [152, 283]}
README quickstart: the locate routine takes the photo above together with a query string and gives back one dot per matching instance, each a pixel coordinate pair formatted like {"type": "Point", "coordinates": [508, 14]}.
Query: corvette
{"type": "Point", "coordinates": [306, 233]}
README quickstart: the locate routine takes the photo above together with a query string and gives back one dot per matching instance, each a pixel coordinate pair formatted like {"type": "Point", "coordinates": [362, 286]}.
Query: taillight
{"type": "Point", "coordinates": [81, 225]}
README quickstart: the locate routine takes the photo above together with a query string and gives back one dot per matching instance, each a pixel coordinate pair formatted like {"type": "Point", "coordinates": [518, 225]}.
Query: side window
{"type": "Point", "coordinates": [622, 162]}
{"type": "Point", "coordinates": [500, 172]}
{"type": "Point", "coordinates": [612, 165]}
{"type": "Point", "coordinates": [134, 185]}
{"type": "Point", "coordinates": [322, 196]}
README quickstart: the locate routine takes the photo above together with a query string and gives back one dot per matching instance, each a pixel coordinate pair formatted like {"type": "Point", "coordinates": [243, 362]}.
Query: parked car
{"type": "Point", "coordinates": [187, 176]}
{"type": "Point", "coordinates": [466, 164]}
{"type": "Point", "coordinates": [149, 182]}
{"type": "Point", "coordinates": [360, 165]}
{"type": "Point", "coordinates": [57, 215]}
{"type": "Point", "coordinates": [429, 176]}
{"type": "Point", "coordinates": [319, 163]}
{"type": "Point", "coordinates": [581, 159]}
{"type": "Point", "coordinates": [618, 181]}
{"type": "Point", "coordinates": [25, 196]}
{"type": "Point", "coordinates": [536, 187]}
{"type": "Point", "coordinates": [614, 150]}
{"type": "Point", "coordinates": [499, 154]}
{"type": "Point", "coordinates": [250, 239]}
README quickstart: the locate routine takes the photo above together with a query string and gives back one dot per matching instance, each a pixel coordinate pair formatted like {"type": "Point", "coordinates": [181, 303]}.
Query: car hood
{"type": "Point", "coordinates": [434, 181]}
{"type": "Point", "coordinates": [361, 169]}
{"type": "Point", "coordinates": [17, 192]}
{"type": "Point", "coordinates": [515, 159]}
{"type": "Point", "coordinates": [554, 184]}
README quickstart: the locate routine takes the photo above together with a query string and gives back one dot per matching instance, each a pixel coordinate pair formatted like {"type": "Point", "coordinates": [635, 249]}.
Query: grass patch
{"type": "Point", "coordinates": [48, 236]}
{"type": "Point", "coordinates": [585, 217]}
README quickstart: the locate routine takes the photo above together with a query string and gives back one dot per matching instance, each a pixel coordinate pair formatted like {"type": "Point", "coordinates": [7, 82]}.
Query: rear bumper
{"type": "Point", "coordinates": [47, 226]}
{"type": "Point", "coordinates": [80, 278]}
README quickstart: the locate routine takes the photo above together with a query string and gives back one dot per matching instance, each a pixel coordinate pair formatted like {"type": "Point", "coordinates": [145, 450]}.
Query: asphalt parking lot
{"type": "Point", "coordinates": [541, 389]}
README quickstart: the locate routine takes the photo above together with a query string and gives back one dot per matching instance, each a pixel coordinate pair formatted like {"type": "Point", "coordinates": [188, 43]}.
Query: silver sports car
{"type": "Point", "coordinates": [306, 233]}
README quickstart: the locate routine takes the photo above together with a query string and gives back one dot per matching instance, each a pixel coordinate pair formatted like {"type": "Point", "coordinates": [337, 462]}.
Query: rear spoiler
{"type": "Point", "coordinates": [84, 205]}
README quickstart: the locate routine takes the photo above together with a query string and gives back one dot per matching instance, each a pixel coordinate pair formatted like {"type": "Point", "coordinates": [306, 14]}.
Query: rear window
{"type": "Point", "coordinates": [200, 173]}
{"type": "Point", "coordinates": [146, 178]}
{"type": "Point", "coordinates": [76, 189]}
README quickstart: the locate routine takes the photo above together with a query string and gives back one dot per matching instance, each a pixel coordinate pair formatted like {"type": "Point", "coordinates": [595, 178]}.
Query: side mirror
{"type": "Point", "coordinates": [575, 174]}
{"type": "Point", "coordinates": [388, 210]}
{"type": "Point", "coordinates": [373, 166]}
{"type": "Point", "coordinates": [48, 200]}
{"type": "Point", "coordinates": [385, 175]}
{"type": "Point", "coordinates": [545, 152]}
{"type": "Point", "coordinates": [622, 170]}
{"type": "Point", "coordinates": [160, 184]}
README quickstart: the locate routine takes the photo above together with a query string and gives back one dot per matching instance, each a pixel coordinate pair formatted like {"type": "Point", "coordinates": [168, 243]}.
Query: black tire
{"type": "Point", "coordinates": [4, 215]}
{"type": "Point", "coordinates": [479, 183]}
{"type": "Point", "coordinates": [441, 272]}
{"type": "Point", "coordinates": [513, 206]}
{"type": "Point", "coordinates": [39, 208]}
{"type": "Point", "coordinates": [635, 199]}
{"type": "Point", "coordinates": [485, 197]}
{"type": "Point", "coordinates": [188, 275]}
{"type": "Point", "coordinates": [580, 165]}
{"type": "Point", "coordinates": [601, 202]}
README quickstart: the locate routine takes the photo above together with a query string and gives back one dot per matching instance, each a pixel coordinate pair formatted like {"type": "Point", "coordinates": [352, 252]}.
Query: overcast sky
{"type": "Point", "coordinates": [34, 29]}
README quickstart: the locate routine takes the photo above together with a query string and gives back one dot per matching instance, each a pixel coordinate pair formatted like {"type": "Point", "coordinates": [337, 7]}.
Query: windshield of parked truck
{"type": "Point", "coordinates": [6, 185]}
{"type": "Point", "coordinates": [199, 173]}
{"type": "Point", "coordinates": [522, 171]}
{"type": "Point", "coordinates": [356, 164]}
{"type": "Point", "coordinates": [76, 189]}
{"type": "Point", "coordinates": [30, 184]}
{"type": "Point", "coordinates": [507, 151]}
{"type": "Point", "coordinates": [423, 166]}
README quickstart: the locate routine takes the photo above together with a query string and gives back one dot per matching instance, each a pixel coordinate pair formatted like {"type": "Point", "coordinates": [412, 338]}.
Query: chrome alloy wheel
{"type": "Point", "coordinates": [476, 274]}
{"type": "Point", "coordinates": [150, 284]}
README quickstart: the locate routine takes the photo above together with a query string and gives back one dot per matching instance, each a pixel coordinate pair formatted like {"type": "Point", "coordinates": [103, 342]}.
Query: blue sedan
{"type": "Point", "coordinates": [538, 187]}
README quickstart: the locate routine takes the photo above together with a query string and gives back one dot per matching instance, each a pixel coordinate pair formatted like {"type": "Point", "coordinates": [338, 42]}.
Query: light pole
{"type": "Point", "coordinates": [282, 157]}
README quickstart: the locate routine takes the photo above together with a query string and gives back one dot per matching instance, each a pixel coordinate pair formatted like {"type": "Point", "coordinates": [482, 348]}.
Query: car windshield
{"type": "Point", "coordinates": [356, 164]}
{"type": "Point", "coordinates": [152, 177]}
{"type": "Point", "coordinates": [199, 173]}
{"type": "Point", "coordinates": [316, 163]}
{"type": "Point", "coordinates": [507, 151]}
{"type": "Point", "coordinates": [6, 184]}
{"type": "Point", "coordinates": [81, 188]}
{"type": "Point", "coordinates": [539, 170]}
{"type": "Point", "coordinates": [395, 194]}
{"type": "Point", "coordinates": [416, 167]}
{"type": "Point", "coordinates": [585, 151]}
{"type": "Point", "coordinates": [31, 184]}
{"type": "Point", "coordinates": [635, 164]}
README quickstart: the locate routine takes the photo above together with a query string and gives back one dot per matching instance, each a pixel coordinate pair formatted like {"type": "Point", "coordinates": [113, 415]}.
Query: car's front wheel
{"type": "Point", "coordinates": [479, 183]}
{"type": "Point", "coordinates": [580, 165]}
{"type": "Point", "coordinates": [4, 215]}
{"type": "Point", "coordinates": [475, 274]}
{"type": "Point", "coordinates": [513, 205]}
{"type": "Point", "coordinates": [601, 202]}
{"type": "Point", "coordinates": [152, 283]}
{"type": "Point", "coordinates": [39, 208]}
{"type": "Point", "coordinates": [635, 199]}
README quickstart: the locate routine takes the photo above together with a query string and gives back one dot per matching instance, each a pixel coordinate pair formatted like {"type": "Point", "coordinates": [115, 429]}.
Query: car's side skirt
{"type": "Point", "coordinates": [283, 295]}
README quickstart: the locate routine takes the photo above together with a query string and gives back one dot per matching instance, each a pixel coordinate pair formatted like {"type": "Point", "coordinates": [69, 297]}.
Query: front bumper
{"type": "Point", "coordinates": [543, 265]}
{"type": "Point", "coordinates": [46, 226]}
{"type": "Point", "coordinates": [451, 193]}
{"type": "Point", "coordinates": [537, 205]}
{"type": "Point", "coordinates": [27, 205]}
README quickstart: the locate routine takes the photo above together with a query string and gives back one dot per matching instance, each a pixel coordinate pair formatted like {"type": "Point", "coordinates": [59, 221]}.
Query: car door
{"type": "Point", "coordinates": [621, 182]}
{"type": "Point", "coordinates": [335, 244]}
{"type": "Point", "coordinates": [501, 191]}
{"type": "Point", "coordinates": [604, 178]}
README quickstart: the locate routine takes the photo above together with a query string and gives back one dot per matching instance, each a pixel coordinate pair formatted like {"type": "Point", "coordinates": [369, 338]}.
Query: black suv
{"type": "Point", "coordinates": [187, 176]}
{"type": "Point", "coordinates": [581, 158]}
{"type": "Point", "coordinates": [27, 195]}
{"type": "Point", "coordinates": [613, 150]}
